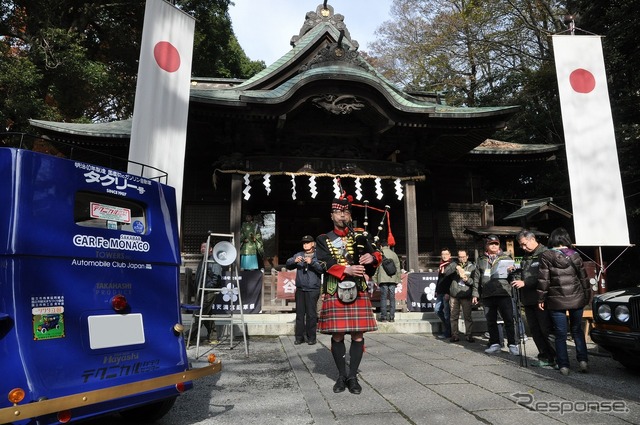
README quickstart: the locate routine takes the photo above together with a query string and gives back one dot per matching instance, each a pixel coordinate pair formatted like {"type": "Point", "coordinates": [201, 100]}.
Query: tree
{"type": "Point", "coordinates": [464, 48]}
{"type": "Point", "coordinates": [496, 52]}
{"type": "Point", "coordinates": [484, 53]}
{"type": "Point", "coordinates": [77, 61]}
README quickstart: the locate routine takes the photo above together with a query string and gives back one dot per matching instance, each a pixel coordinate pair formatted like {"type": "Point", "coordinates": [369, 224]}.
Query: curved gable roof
{"type": "Point", "coordinates": [325, 52]}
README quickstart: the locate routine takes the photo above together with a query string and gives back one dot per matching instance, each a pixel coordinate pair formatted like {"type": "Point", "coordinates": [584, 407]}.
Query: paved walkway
{"type": "Point", "coordinates": [406, 379]}
{"type": "Point", "coordinates": [414, 379]}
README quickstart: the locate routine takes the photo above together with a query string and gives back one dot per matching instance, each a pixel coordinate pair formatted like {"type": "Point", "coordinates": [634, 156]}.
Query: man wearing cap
{"type": "Point", "coordinates": [308, 272]}
{"type": "Point", "coordinates": [495, 292]}
{"type": "Point", "coordinates": [346, 257]}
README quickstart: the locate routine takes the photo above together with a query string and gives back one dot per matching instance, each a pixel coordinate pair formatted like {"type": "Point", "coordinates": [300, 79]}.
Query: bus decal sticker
{"type": "Point", "coordinates": [47, 317]}
{"type": "Point", "coordinates": [138, 226]}
{"type": "Point", "coordinates": [124, 243]}
{"type": "Point", "coordinates": [110, 212]}
{"type": "Point", "coordinates": [122, 369]}
{"type": "Point", "coordinates": [113, 288]}
{"type": "Point", "coordinates": [113, 180]}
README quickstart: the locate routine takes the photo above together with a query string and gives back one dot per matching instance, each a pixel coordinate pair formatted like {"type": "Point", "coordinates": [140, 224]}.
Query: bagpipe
{"type": "Point", "coordinates": [363, 241]}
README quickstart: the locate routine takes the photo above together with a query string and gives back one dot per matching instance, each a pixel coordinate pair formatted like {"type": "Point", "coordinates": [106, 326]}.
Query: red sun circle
{"type": "Point", "coordinates": [582, 81]}
{"type": "Point", "coordinates": [167, 56]}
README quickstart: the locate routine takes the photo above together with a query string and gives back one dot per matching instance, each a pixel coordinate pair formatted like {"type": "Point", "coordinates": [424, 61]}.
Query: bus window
{"type": "Point", "coordinates": [109, 212]}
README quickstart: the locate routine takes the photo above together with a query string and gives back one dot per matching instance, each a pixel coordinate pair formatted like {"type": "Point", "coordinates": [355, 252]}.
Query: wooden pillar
{"type": "Point", "coordinates": [235, 212]}
{"type": "Point", "coordinates": [411, 225]}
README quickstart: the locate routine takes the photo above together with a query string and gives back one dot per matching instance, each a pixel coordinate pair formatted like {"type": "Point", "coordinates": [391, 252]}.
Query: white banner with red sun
{"type": "Point", "coordinates": [599, 213]}
{"type": "Point", "coordinates": [159, 126]}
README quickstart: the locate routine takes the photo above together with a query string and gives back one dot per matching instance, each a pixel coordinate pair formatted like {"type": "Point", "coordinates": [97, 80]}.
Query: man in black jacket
{"type": "Point", "coordinates": [308, 272]}
{"type": "Point", "coordinates": [446, 273]}
{"type": "Point", "coordinates": [538, 320]}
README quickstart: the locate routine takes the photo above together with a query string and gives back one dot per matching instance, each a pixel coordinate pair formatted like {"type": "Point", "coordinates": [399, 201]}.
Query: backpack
{"type": "Point", "coordinates": [389, 266]}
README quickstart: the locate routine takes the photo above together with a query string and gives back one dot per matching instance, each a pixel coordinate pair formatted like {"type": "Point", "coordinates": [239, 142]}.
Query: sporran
{"type": "Point", "coordinates": [347, 291]}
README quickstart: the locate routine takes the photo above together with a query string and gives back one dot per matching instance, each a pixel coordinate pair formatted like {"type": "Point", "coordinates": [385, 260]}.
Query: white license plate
{"type": "Point", "coordinates": [115, 330]}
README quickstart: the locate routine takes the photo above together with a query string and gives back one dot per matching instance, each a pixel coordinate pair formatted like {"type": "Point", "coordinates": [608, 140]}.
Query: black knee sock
{"type": "Point", "coordinates": [338, 350]}
{"type": "Point", "coordinates": [355, 356]}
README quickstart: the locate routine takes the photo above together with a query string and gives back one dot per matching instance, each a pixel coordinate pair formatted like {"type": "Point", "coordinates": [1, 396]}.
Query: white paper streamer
{"type": "Point", "coordinates": [247, 187]}
{"type": "Point", "coordinates": [312, 186]}
{"type": "Point", "coordinates": [267, 183]}
{"type": "Point", "coordinates": [358, 189]}
{"type": "Point", "coordinates": [336, 188]}
{"type": "Point", "coordinates": [293, 187]}
{"type": "Point", "coordinates": [378, 188]}
{"type": "Point", "coordinates": [399, 192]}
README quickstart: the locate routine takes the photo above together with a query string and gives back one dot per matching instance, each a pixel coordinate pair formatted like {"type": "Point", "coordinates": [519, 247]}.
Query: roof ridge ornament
{"type": "Point", "coordinates": [324, 13]}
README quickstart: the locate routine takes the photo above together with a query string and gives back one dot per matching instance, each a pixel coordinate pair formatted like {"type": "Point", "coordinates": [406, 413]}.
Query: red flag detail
{"type": "Point", "coordinates": [582, 81]}
{"type": "Point", "coordinates": [167, 56]}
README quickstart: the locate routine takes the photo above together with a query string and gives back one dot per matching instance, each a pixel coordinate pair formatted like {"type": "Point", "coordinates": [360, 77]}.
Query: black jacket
{"type": "Point", "coordinates": [530, 266]}
{"type": "Point", "coordinates": [561, 286]}
{"type": "Point", "coordinates": [445, 278]}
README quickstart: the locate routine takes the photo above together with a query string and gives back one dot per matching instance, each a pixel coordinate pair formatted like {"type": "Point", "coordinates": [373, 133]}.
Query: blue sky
{"type": "Point", "coordinates": [264, 27]}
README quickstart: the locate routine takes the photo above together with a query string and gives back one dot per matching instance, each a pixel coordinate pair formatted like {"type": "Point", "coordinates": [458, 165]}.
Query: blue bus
{"type": "Point", "coordinates": [90, 319]}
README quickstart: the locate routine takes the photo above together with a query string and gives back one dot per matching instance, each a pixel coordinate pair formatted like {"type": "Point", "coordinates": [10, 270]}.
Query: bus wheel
{"type": "Point", "coordinates": [149, 412]}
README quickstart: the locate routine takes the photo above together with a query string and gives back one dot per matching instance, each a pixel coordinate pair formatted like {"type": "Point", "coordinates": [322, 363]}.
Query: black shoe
{"type": "Point", "coordinates": [354, 385]}
{"type": "Point", "coordinates": [340, 385]}
{"type": "Point", "coordinates": [311, 342]}
{"type": "Point", "coordinates": [298, 341]}
{"type": "Point", "coordinates": [471, 339]}
{"type": "Point", "coordinates": [392, 320]}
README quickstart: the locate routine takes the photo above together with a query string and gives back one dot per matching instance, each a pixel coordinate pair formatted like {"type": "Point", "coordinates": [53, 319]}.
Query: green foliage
{"type": "Point", "coordinates": [77, 61]}
{"type": "Point", "coordinates": [19, 82]}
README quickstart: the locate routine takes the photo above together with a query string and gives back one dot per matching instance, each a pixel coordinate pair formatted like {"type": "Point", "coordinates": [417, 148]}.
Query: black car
{"type": "Point", "coordinates": [616, 320]}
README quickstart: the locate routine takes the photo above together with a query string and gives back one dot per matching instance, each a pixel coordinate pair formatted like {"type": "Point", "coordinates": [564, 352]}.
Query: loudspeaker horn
{"type": "Point", "coordinates": [224, 253]}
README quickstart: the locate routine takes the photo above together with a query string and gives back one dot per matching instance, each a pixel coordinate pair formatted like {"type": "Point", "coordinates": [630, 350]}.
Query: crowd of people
{"type": "Point", "coordinates": [335, 271]}
{"type": "Point", "coordinates": [549, 285]}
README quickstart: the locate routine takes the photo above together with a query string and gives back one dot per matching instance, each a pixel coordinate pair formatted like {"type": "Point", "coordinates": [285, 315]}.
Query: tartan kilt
{"type": "Point", "coordinates": [338, 317]}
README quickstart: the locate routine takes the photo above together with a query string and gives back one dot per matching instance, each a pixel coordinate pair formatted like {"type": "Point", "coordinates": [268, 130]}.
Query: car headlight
{"type": "Point", "coordinates": [622, 313]}
{"type": "Point", "coordinates": [604, 312]}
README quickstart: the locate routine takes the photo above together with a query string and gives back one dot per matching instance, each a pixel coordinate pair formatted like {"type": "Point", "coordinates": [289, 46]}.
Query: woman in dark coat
{"type": "Point", "coordinates": [563, 286]}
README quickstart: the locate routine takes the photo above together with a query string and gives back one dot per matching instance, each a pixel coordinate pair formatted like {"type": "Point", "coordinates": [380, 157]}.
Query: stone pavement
{"type": "Point", "coordinates": [406, 379]}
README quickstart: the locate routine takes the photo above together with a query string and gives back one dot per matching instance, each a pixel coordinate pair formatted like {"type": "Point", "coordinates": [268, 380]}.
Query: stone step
{"type": "Point", "coordinates": [284, 323]}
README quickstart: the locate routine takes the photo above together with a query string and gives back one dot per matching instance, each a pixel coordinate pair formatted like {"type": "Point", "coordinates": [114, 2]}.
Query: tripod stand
{"type": "Point", "coordinates": [519, 326]}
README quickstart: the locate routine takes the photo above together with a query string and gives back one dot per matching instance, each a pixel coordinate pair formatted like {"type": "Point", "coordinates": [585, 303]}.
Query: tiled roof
{"type": "Point", "coordinates": [114, 129]}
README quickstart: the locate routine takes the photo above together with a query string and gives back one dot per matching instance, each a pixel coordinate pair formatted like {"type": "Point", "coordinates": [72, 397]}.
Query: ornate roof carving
{"type": "Point", "coordinates": [323, 14]}
{"type": "Point", "coordinates": [338, 104]}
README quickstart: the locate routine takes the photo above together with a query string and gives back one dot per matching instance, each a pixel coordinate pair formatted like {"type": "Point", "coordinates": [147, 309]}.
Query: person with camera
{"type": "Point", "coordinates": [526, 282]}
{"type": "Point", "coordinates": [446, 273]}
{"type": "Point", "coordinates": [463, 294]}
{"type": "Point", "coordinates": [308, 273]}
{"type": "Point", "coordinates": [348, 258]}
{"type": "Point", "coordinates": [495, 291]}
{"type": "Point", "coordinates": [387, 283]}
